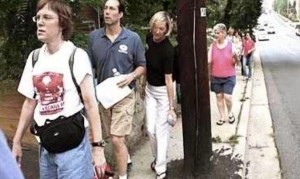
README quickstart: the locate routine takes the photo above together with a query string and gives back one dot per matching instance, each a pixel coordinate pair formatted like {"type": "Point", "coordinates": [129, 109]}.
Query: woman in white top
{"type": "Point", "coordinates": [51, 95]}
{"type": "Point", "coordinates": [238, 44]}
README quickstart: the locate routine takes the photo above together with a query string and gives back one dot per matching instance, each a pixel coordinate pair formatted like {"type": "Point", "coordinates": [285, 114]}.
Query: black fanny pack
{"type": "Point", "coordinates": [61, 134]}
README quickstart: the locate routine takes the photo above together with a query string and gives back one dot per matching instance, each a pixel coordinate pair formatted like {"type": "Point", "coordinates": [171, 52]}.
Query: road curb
{"type": "Point", "coordinates": [260, 144]}
{"type": "Point", "coordinates": [242, 127]}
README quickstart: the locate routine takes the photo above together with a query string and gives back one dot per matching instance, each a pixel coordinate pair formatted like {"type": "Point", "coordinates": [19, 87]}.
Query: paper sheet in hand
{"type": "Point", "coordinates": [108, 92]}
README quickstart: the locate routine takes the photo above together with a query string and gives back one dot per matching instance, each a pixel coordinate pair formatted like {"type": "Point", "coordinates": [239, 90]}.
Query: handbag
{"type": "Point", "coordinates": [61, 134]}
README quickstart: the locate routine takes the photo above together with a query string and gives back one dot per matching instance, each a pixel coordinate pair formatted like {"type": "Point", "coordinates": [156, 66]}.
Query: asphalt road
{"type": "Point", "coordinates": [281, 66]}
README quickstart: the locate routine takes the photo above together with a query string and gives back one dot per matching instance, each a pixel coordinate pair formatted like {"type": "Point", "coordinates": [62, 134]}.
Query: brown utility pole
{"type": "Point", "coordinates": [191, 20]}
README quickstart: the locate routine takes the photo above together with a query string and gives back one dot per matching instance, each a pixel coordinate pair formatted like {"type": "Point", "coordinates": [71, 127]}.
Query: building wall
{"type": "Point", "coordinates": [86, 20]}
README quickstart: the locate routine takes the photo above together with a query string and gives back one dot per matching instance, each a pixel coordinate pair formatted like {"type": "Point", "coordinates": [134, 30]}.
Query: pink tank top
{"type": "Point", "coordinates": [222, 64]}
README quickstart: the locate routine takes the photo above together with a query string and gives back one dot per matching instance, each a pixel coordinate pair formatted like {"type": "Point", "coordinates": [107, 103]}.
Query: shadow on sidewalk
{"type": "Point", "coordinates": [223, 166]}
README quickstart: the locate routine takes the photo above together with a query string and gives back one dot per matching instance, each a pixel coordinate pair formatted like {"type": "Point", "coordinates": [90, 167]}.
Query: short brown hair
{"type": "Point", "coordinates": [64, 13]}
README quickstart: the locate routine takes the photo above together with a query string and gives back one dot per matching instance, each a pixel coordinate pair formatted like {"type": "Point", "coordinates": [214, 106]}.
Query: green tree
{"type": "Point", "coordinates": [215, 11]}
{"type": "Point", "coordinates": [241, 14]}
{"type": "Point", "coordinates": [17, 36]}
{"type": "Point", "coordinates": [281, 6]}
{"type": "Point", "coordinates": [245, 13]}
{"type": "Point", "coordinates": [17, 31]}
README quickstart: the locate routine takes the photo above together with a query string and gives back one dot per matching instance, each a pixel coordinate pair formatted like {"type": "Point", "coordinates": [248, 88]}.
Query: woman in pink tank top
{"type": "Point", "coordinates": [222, 57]}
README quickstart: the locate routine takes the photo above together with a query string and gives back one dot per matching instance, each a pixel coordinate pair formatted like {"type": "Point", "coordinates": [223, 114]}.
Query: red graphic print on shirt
{"type": "Point", "coordinates": [50, 88]}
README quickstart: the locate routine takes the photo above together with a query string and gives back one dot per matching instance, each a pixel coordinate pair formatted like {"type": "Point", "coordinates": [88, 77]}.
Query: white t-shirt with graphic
{"type": "Point", "coordinates": [50, 82]}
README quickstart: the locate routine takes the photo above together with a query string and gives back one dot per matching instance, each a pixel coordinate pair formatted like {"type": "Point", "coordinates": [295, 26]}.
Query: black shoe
{"type": "Point", "coordinates": [129, 167]}
{"type": "Point", "coordinates": [231, 119]}
{"type": "Point", "coordinates": [220, 122]}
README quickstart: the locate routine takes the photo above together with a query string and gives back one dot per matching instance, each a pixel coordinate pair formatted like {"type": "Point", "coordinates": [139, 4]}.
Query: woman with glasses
{"type": "Point", "coordinates": [222, 57]}
{"type": "Point", "coordinates": [51, 99]}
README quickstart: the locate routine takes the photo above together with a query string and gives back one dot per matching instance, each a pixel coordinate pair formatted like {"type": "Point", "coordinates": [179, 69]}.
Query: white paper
{"type": "Point", "coordinates": [109, 93]}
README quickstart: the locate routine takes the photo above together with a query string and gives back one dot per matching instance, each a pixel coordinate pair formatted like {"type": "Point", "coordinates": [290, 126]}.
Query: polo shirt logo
{"type": "Point", "coordinates": [123, 49]}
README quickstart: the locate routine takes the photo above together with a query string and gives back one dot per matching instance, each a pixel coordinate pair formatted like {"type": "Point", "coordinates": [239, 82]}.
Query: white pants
{"type": "Point", "coordinates": [157, 107]}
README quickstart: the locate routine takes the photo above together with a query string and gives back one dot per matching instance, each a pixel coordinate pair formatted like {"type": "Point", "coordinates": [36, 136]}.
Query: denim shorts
{"type": "Point", "coordinates": [72, 164]}
{"type": "Point", "coordinates": [222, 85]}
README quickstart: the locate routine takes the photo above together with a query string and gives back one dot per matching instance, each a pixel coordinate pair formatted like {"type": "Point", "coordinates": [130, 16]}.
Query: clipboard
{"type": "Point", "coordinates": [109, 93]}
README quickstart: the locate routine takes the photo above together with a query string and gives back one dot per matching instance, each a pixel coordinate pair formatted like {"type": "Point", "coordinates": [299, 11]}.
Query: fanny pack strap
{"type": "Point", "coordinates": [36, 130]}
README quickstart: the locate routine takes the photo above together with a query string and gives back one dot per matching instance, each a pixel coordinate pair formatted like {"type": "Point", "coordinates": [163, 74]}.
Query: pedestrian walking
{"type": "Point", "coordinates": [222, 57]}
{"type": "Point", "coordinates": [230, 34]}
{"type": "Point", "coordinates": [238, 44]}
{"type": "Point", "coordinates": [54, 102]}
{"type": "Point", "coordinates": [115, 49]}
{"type": "Point", "coordinates": [160, 90]}
{"type": "Point", "coordinates": [248, 49]}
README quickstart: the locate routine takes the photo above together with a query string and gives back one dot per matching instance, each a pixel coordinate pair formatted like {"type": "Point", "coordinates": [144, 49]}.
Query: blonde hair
{"type": "Point", "coordinates": [161, 16]}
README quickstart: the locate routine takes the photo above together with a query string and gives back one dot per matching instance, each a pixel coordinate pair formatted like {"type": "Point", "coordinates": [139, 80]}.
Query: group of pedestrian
{"type": "Point", "coordinates": [60, 100]}
{"type": "Point", "coordinates": [225, 52]}
{"type": "Point", "coordinates": [58, 85]}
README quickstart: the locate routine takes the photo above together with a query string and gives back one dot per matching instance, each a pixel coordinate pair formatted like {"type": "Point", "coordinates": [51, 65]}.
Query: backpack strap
{"type": "Point", "coordinates": [34, 59]}
{"type": "Point", "coordinates": [35, 56]}
{"type": "Point", "coordinates": [71, 64]}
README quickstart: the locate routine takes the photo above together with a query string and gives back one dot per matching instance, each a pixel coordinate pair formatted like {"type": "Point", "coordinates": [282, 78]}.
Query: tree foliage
{"type": "Point", "coordinates": [245, 13]}
{"type": "Point", "coordinates": [17, 38]}
{"type": "Point", "coordinates": [240, 14]}
{"type": "Point", "coordinates": [17, 31]}
{"type": "Point", "coordinates": [281, 6]}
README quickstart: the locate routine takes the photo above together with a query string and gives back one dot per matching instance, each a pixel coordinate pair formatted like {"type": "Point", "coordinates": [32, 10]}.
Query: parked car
{"type": "Point", "coordinates": [271, 30]}
{"type": "Point", "coordinates": [297, 29]}
{"type": "Point", "coordinates": [260, 28]}
{"type": "Point", "coordinates": [263, 35]}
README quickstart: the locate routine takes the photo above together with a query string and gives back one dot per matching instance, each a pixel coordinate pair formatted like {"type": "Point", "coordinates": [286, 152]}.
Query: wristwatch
{"type": "Point", "coordinates": [98, 144]}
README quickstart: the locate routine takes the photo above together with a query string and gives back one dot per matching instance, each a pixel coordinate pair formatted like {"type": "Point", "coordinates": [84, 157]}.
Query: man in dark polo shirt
{"type": "Point", "coordinates": [117, 49]}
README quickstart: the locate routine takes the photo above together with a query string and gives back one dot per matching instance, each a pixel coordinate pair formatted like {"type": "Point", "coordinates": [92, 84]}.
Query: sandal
{"type": "Point", "coordinates": [163, 175]}
{"type": "Point", "coordinates": [152, 166]}
{"type": "Point", "coordinates": [220, 122]}
{"type": "Point", "coordinates": [231, 119]}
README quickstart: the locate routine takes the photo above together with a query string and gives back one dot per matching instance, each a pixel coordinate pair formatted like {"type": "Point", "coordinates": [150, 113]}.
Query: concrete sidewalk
{"type": "Point", "coordinates": [261, 155]}
{"type": "Point", "coordinates": [245, 149]}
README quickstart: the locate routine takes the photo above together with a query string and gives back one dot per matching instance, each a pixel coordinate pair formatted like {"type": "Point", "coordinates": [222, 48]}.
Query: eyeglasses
{"type": "Point", "coordinates": [44, 18]}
